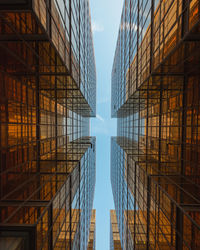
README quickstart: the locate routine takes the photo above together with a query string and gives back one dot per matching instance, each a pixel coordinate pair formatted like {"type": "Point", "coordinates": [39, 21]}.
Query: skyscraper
{"type": "Point", "coordinates": [92, 236]}
{"type": "Point", "coordinates": [47, 96]}
{"type": "Point", "coordinates": [115, 243]}
{"type": "Point", "coordinates": [155, 96]}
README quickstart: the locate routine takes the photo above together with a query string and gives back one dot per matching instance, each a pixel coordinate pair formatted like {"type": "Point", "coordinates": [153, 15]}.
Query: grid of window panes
{"type": "Point", "coordinates": [155, 156]}
{"type": "Point", "coordinates": [83, 201]}
{"type": "Point", "coordinates": [115, 243]}
{"type": "Point", "coordinates": [67, 25]}
{"type": "Point", "coordinates": [67, 205]}
{"type": "Point", "coordinates": [148, 205]}
{"type": "Point", "coordinates": [119, 187]}
{"type": "Point", "coordinates": [92, 236]}
{"type": "Point", "coordinates": [148, 33]}
{"type": "Point", "coordinates": [76, 26]}
{"type": "Point", "coordinates": [47, 159]}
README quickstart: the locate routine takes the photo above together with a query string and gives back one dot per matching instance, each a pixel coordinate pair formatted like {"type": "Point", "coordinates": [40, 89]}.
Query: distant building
{"type": "Point", "coordinates": [47, 96]}
{"type": "Point", "coordinates": [155, 164]}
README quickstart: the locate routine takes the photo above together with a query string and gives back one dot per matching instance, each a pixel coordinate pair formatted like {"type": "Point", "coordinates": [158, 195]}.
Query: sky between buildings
{"type": "Point", "coordinates": [105, 16]}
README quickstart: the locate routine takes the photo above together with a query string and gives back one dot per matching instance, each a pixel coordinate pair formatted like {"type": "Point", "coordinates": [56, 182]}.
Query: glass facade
{"type": "Point", "coordinates": [115, 243]}
{"type": "Point", "coordinates": [155, 97]}
{"type": "Point", "coordinates": [47, 96]}
{"type": "Point", "coordinates": [92, 236]}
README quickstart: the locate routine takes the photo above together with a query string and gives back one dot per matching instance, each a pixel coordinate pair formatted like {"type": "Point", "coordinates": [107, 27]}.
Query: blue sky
{"type": "Point", "coordinates": [106, 16]}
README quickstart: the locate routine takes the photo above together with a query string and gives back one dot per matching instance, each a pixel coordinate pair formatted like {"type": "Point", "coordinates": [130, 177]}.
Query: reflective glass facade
{"type": "Point", "coordinates": [155, 97]}
{"type": "Point", "coordinates": [115, 243]}
{"type": "Point", "coordinates": [47, 96]}
{"type": "Point", "coordinates": [92, 236]}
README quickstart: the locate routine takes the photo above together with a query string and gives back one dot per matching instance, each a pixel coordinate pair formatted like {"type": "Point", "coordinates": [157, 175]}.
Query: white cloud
{"type": "Point", "coordinates": [100, 118]}
{"type": "Point", "coordinates": [132, 27]}
{"type": "Point", "coordinates": [129, 26]}
{"type": "Point", "coordinates": [97, 27]}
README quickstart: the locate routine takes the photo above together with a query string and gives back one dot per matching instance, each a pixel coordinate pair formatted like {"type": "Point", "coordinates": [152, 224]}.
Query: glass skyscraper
{"type": "Point", "coordinates": [115, 243]}
{"type": "Point", "coordinates": [47, 96]}
{"type": "Point", "coordinates": [155, 171]}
